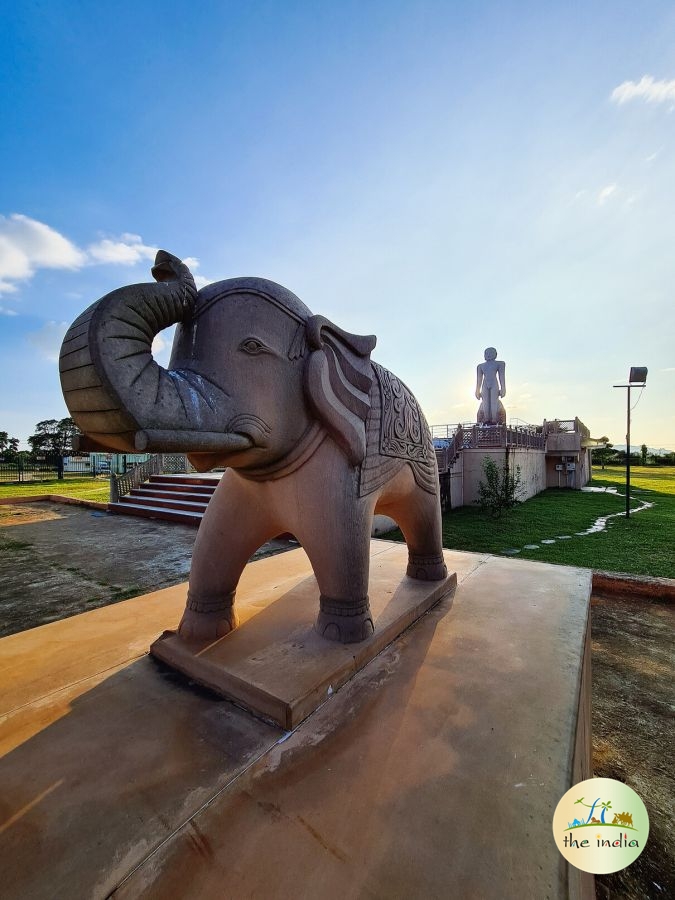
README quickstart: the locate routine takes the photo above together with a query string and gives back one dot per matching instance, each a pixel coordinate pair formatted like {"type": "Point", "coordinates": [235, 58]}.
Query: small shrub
{"type": "Point", "coordinates": [501, 490]}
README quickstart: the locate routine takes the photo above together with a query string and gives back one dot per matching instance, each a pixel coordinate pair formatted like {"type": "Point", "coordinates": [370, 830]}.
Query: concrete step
{"type": "Point", "coordinates": [178, 487]}
{"type": "Point", "coordinates": [185, 517]}
{"type": "Point", "coordinates": [172, 503]}
{"type": "Point", "coordinates": [210, 481]}
{"type": "Point", "coordinates": [148, 492]}
{"type": "Point", "coordinates": [173, 498]}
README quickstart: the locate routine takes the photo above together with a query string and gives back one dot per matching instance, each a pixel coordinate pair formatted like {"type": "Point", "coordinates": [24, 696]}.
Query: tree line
{"type": "Point", "coordinates": [608, 455]}
{"type": "Point", "coordinates": [52, 438]}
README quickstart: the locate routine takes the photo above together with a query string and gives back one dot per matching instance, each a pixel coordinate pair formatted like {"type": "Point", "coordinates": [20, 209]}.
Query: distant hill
{"type": "Point", "coordinates": [635, 448]}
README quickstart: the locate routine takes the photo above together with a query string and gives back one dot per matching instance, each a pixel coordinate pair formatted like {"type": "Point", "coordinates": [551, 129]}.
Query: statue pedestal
{"type": "Point", "coordinates": [275, 664]}
{"type": "Point", "coordinates": [433, 772]}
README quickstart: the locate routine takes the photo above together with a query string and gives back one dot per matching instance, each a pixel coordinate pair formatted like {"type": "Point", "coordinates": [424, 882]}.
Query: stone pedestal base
{"type": "Point", "coordinates": [433, 772]}
{"type": "Point", "coordinates": [274, 663]}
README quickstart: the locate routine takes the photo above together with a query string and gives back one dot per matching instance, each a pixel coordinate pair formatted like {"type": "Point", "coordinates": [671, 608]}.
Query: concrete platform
{"type": "Point", "coordinates": [433, 772]}
{"type": "Point", "coordinates": [274, 663]}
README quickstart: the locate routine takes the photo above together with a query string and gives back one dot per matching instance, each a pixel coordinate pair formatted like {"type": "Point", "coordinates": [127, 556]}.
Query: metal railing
{"type": "Point", "coordinates": [22, 470]}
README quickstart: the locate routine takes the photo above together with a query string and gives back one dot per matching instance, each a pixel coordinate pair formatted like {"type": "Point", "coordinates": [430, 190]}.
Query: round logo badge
{"type": "Point", "coordinates": [600, 826]}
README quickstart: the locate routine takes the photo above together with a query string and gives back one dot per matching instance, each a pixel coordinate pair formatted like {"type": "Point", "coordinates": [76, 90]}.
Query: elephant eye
{"type": "Point", "coordinates": [252, 346]}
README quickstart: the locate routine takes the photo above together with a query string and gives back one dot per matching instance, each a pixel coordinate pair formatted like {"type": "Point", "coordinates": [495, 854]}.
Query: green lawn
{"type": "Point", "coordinates": [643, 544]}
{"type": "Point", "coordinates": [84, 488]}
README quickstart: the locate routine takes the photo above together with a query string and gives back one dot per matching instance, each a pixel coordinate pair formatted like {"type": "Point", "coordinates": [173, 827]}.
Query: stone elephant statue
{"type": "Point", "coordinates": [316, 436]}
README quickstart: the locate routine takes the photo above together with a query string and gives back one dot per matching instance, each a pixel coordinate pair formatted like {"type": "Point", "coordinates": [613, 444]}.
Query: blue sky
{"type": "Point", "coordinates": [445, 175]}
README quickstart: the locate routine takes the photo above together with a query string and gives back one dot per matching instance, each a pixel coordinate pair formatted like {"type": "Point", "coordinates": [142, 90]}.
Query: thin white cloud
{"type": "Point", "coordinates": [652, 156]}
{"type": "Point", "coordinates": [27, 245]}
{"type": "Point", "coordinates": [48, 339]}
{"type": "Point", "coordinates": [7, 312]}
{"type": "Point", "coordinates": [162, 343]}
{"type": "Point", "coordinates": [158, 344]}
{"type": "Point", "coordinates": [605, 193]}
{"type": "Point", "coordinates": [193, 263]}
{"type": "Point", "coordinates": [647, 88]}
{"type": "Point", "coordinates": [128, 250]}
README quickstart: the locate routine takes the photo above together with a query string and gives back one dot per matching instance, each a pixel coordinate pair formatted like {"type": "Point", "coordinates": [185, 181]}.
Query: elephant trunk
{"type": "Point", "coordinates": [118, 395]}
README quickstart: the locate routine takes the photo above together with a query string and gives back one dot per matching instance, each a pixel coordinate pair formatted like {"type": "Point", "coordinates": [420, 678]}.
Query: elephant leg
{"type": "Point", "coordinates": [418, 515]}
{"type": "Point", "coordinates": [233, 527]}
{"type": "Point", "coordinates": [339, 550]}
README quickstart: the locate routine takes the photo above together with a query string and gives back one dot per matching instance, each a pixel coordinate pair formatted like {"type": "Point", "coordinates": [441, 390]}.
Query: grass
{"type": "Point", "coordinates": [642, 544]}
{"type": "Point", "coordinates": [85, 488]}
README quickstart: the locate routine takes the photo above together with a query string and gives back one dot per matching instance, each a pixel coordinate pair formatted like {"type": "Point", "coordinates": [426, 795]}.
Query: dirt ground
{"type": "Point", "coordinates": [633, 699]}
{"type": "Point", "coordinates": [57, 561]}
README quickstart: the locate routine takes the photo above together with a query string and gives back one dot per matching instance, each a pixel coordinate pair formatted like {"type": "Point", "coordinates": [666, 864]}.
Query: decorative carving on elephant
{"type": "Point", "coordinates": [315, 436]}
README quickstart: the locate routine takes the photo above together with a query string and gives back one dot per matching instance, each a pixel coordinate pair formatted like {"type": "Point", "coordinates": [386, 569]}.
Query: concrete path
{"type": "Point", "coordinates": [432, 773]}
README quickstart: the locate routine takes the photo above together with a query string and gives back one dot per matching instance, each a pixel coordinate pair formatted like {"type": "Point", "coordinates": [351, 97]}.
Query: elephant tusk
{"type": "Point", "coordinates": [154, 440]}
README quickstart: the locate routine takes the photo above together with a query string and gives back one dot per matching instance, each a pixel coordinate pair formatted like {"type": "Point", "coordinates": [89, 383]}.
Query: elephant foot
{"type": "Point", "coordinates": [427, 568]}
{"type": "Point", "coordinates": [344, 621]}
{"type": "Point", "coordinates": [208, 620]}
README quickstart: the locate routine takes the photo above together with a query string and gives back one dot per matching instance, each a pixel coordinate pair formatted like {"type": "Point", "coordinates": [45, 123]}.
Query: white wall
{"type": "Point", "coordinates": [532, 470]}
{"type": "Point", "coordinates": [457, 482]}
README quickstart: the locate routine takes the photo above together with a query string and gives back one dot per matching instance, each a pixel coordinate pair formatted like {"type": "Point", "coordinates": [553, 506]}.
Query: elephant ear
{"type": "Point", "coordinates": [338, 378]}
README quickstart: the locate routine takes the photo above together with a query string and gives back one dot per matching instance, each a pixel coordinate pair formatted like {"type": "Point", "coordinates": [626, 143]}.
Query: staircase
{"type": "Point", "coordinates": [173, 498]}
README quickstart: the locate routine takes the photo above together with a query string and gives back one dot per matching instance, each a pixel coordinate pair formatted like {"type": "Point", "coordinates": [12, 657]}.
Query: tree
{"type": "Point", "coordinates": [603, 806]}
{"type": "Point", "coordinates": [53, 437]}
{"type": "Point", "coordinates": [9, 446]}
{"type": "Point", "coordinates": [606, 453]}
{"type": "Point", "coordinates": [644, 449]}
{"type": "Point", "coordinates": [501, 490]}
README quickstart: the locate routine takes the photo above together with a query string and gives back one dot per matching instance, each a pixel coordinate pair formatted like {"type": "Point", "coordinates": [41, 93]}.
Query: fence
{"type": "Point", "coordinates": [24, 469]}
{"type": "Point", "coordinates": [557, 426]}
{"type": "Point", "coordinates": [30, 470]}
{"type": "Point", "coordinates": [21, 470]}
{"type": "Point", "coordinates": [468, 436]}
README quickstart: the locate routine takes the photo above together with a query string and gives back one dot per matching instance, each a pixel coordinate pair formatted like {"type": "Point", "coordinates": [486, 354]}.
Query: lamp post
{"type": "Point", "coordinates": [636, 378]}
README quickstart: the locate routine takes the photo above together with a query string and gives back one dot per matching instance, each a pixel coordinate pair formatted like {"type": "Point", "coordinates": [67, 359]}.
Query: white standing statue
{"type": "Point", "coordinates": [490, 386]}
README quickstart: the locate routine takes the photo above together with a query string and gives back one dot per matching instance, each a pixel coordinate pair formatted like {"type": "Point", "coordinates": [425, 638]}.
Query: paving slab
{"type": "Point", "coordinates": [433, 772]}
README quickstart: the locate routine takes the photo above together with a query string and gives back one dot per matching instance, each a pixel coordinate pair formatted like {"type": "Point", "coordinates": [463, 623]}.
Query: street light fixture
{"type": "Point", "coordinates": [636, 378]}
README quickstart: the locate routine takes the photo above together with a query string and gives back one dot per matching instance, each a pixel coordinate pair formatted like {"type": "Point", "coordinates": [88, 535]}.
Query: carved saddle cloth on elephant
{"type": "Point", "coordinates": [396, 433]}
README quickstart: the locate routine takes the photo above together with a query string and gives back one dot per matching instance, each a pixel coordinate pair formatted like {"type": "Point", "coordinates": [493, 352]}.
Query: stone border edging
{"type": "Point", "coordinates": [54, 498]}
{"type": "Point", "coordinates": [627, 587]}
